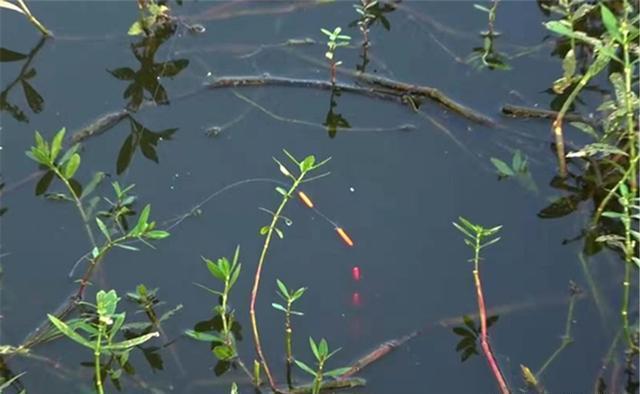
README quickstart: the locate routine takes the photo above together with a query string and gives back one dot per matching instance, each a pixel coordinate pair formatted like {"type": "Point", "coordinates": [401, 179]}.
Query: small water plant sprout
{"type": "Point", "coordinates": [334, 41]}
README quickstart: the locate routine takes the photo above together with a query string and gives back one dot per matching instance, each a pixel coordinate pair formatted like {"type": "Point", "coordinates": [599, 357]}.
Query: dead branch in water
{"type": "Point", "coordinates": [378, 87]}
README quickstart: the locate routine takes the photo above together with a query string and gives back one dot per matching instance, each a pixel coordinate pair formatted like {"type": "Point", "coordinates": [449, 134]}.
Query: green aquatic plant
{"type": "Point", "coordinates": [99, 334]}
{"type": "Point", "coordinates": [477, 238]}
{"type": "Point", "coordinates": [335, 40]}
{"type": "Point", "coordinates": [488, 55]}
{"type": "Point", "coordinates": [321, 353]}
{"type": "Point", "coordinates": [518, 169]}
{"type": "Point", "coordinates": [289, 296]}
{"type": "Point", "coordinates": [303, 168]}
{"type": "Point", "coordinates": [153, 15]}
{"type": "Point", "coordinates": [20, 6]}
{"type": "Point", "coordinates": [227, 272]}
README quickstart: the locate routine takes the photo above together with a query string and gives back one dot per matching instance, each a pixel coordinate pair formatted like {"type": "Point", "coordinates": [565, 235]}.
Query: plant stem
{"type": "Point", "coordinates": [566, 338]}
{"type": "Point", "coordinates": [33, 19]}
{"type": "Point", "coordinates": [256, 281]}
{"type": "Point", "coordinates": [484, 339]}
{"type": "Point", "coordinates": [76, 200]}
{"type": "Point", "coordinates": [96, 354]}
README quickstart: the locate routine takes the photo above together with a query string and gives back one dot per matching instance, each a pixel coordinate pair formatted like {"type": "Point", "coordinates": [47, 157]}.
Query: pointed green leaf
{"type": "Point", "coordinates": [132, 342]}
{"type": "Point", "coordinates": [305, 368]}
{"type": "Point", "coordinates": [68, 332]}
{"type": "Point", "coordinates": [56, 144]}
{"type": "Point", "coordinates": [72, 166]}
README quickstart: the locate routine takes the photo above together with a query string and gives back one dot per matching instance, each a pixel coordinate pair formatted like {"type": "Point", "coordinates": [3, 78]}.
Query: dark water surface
{"type": "Point", "coordinates": [395, 191]}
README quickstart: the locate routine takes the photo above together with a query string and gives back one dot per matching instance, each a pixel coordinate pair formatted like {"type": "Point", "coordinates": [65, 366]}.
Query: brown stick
{"type": "Point", "coordinates": [517, 111]}
{"type": "Point", "coordinates": [380, 88]}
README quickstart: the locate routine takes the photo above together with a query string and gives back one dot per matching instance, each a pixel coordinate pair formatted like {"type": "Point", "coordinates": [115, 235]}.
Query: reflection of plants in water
{"type": "Point", "coordinates": [141, 138]}
{"type": "Point", "coordinates": [99, 333]}
{"type": "Point", "coordinates": [34, 99]}
{"type": "Point", "coordinates": [335, 40]}
{"type": "Point", "coordinates": [21, 7]}
{"type": "Point", "coordinates": [153, 17]}
{"type": "Point", "coordinates": [333, 121]}
{"type": "Point", "coordinates": [467, 346]}
{"type": "Point", "coordinates": [147, 77]}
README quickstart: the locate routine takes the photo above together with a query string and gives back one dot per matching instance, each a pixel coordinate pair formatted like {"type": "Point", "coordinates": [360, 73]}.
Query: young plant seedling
{"type": "Point", "coordinates": [289, 296]}
{"type": "Point", "coordinates": [321, 353]}
{"type": "Point", "coordinates": [99, 334]}
{"type": "Point", "coordinates": [334, 41]}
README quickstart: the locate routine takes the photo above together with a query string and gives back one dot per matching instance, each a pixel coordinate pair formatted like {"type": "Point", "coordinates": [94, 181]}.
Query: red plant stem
{"type": "Point", "coordinates": [484, 339]}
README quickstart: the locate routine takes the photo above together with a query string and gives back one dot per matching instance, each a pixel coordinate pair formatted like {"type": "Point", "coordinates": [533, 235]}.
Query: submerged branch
{"type": "Point", "coordinates": [516, 111]}
{"type": "Point", "coordinates": [379, 87]}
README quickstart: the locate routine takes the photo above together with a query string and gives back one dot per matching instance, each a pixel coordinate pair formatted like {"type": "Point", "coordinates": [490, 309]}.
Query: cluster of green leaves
{"type": "Point", "coordinates": [629, 216]}
{"type": "Point", "coordinates": [99, 334]}
{"type": "Point", "coordinates": [475, 237]}
{"type": "Point", "coordinates": [152, 15]}
{"type": "Point", "coordinates": [335, 40]}
{"type": "Point", "coordinates": [487, 55]}
{"type": "Point", "coordinates": [224, 345]}
{"type": "Point", "coordinates": [518, 168]}
{"type": "Point", "coordinates": [148, 302]}
{"type": "Point", "coordinates": [370, 12]}
{"type": "Point", "coordinates": [321, 352]}
{"type": "Point", "coordinates": [470, 333]}
{"type": "Point", "coordinates": [289, 296]}
{"type": "Point", "coordinates": [64, 168]}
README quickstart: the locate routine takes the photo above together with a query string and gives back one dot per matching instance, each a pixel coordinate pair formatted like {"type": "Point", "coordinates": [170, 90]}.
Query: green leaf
{"type": "Point", "coordinates": [70, 152]}
{"type": "Point", "coordinates": [335, 373]}
{"type": "Point", "coordinates": [502, 167]}
{"type": "Point", "coordinates": [203, 336]}
{"type": "Point", "coordinates": [279, 307]}
{"type": "Point", "coordinates": [56, 144]}
{"type": "Point", "coordinates": [234, 275]}
{"type": "Point", "coordinates": [569, 64]}
{"type": "Point", "coordinates": [156, 234]}
{"type": "Point", "coordinates": [103, 229]}
{"type": "Point", "coordinates": [283, 288]}
{"type": "Point", "coordinates": [135, 29]}
{"type": "Point", "coordinates": [224, 352]}
{"type": "Point", "coordinates": [279, 232]}
{"type": "Point", "coordinates": [72, 166]}
{"type": "Point", "coordinates": [323, 347]}
{"type": "Point", "coordinates": [314, 348]}
{"type": "Point", "coordinates": [68, 332]}
{"type": "Point", "coordinates": [610, 22]}
{"type": "Point", "coordinates": [305, 367]}
{"type": "Point", "coordinates": [281, 190]}
{"type": "Point", "coordinates": [481, 8]}
{"type": "Point", "coordinates": [264, 230]}
{"type": "Point", "coordinates": [131, 342]}
{"type": "Point", "coordinates": [215, 270]}
{"type": "Point", "coordinates": [307, 163]}
{"type": "Point", "coordinates": [142, 222]}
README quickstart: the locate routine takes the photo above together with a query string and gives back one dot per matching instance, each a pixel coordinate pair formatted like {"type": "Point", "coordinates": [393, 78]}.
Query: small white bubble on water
{"type": "Point", "coordinates": [352, 189]}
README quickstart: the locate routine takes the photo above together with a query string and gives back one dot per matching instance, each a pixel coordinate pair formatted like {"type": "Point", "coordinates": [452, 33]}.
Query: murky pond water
{"type": "Point", "coordinates": [399, 178]}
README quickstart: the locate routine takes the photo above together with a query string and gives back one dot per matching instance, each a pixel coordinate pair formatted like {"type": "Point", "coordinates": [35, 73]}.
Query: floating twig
{"type": "Point", "coordinates": [517, 111]}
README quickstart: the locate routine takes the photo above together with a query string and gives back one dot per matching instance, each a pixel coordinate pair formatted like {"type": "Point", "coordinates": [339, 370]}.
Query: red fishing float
{"type": "Point", "coordinates": [355, 273]}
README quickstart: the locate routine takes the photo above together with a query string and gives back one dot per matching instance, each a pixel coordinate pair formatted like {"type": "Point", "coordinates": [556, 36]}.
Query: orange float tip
{"type": "Point", "coordinates": [345, 237]}
{"type": "Point", "coordinates": [305, 199]}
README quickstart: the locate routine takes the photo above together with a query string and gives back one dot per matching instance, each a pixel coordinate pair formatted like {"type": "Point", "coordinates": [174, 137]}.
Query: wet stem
{"type": "Point", "coordinates": [96, 355]}
{"type": "Point", "coordinates": [256, 280]}
{"type": "Point", "coordinates": [76, 200]}
{"type": "Point", "coordinates": [484, 338]}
